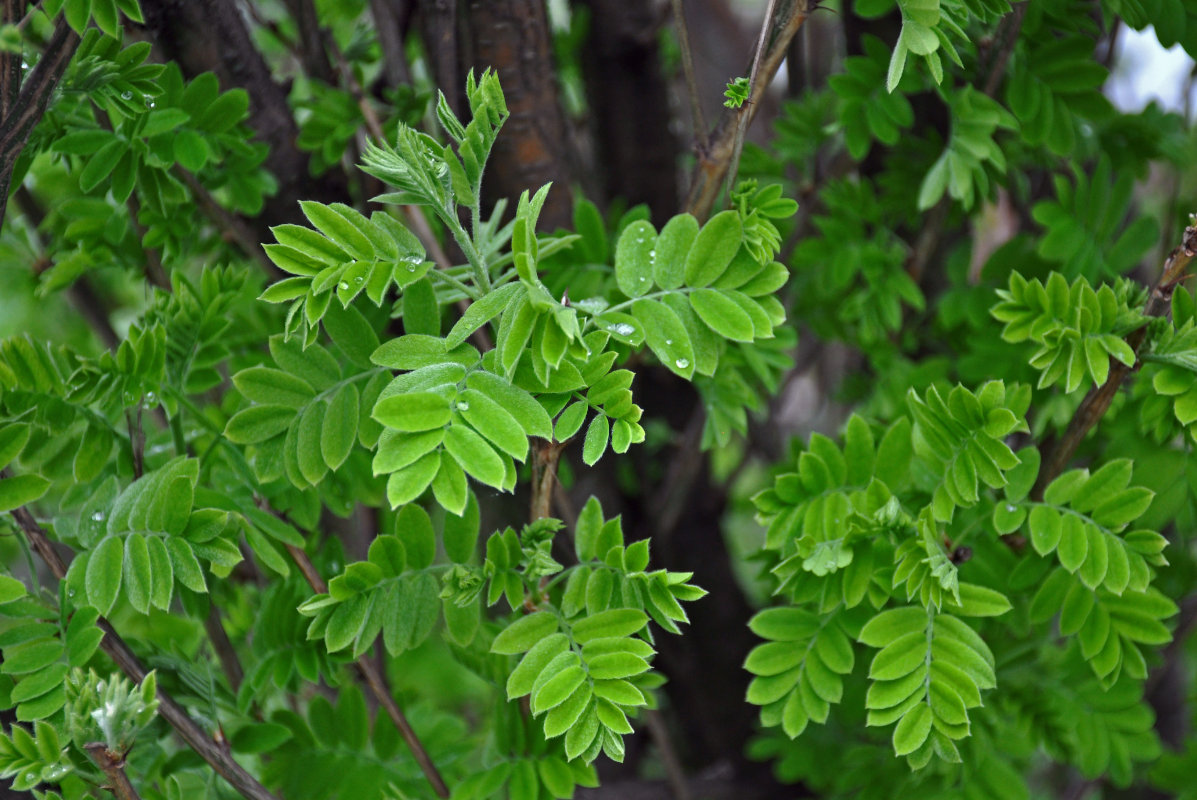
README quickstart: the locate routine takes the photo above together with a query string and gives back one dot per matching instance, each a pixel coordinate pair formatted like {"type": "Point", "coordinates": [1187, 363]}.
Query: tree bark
{"type": "Point", "coordinates": [629, 106]}
{"type": "Point", "coordinates": [512, 36]}
{"type": "Point", "coordinates": [24, 105]}
{"type": "Point", "coordinates": [439, 28]}
{"type": "Point", "coordinates": [210, 35]}
{"type": "Point", "coordinates": [311, 41]}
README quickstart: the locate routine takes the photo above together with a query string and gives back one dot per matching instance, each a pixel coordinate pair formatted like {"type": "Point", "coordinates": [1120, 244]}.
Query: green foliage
{"type": "Point", "coordinates": [963, 169]}
{"type": "Point", "coordinates": [105, 13]}
{"type": "Point", "coordinates": [867, 112]}
{"type": "Point", "coordinates": [1078, 330]}
{"type": "Point", "coordinates": [583, 666]}
{"type": "Point", "coordinates": [849, 279]}
{"type": "Point", "coordinates": [299, 497]}
{"type": "Point", "coordinates": [926, 25]}
{"type": "Point", "coordinates": [1082, 224]}
{"type": "Point", "coordinates": [1052, 87]}
{"type": "Point", "coordinates": [736, 92]}
{"type": "Point", "coordinates": [109, 711]}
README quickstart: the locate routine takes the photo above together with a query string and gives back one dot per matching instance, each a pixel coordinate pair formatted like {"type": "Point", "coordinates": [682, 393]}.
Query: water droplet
{"type": "Point", "coordinates": [97, 516]}
{"type": "Point", "coordinates": [24, 64]}
{"type": "Point", "coordinates": [668, 342]}
{"type": "Point", "coordinates": [621, 329]}
{"type": "Point", "coordinates": [126, 95]}
{"type": "Point", "coordinates": [682, 363]}
{"type": "Point", "coordinates": [53, 774]}
{"type": "Point", "coordinates": [359, 280]}
{"type": "Point", "coordinates": [342, 286]}
{"type": "Point", "coordinates": [463, 406]}
{"type": "Point", "coordinates": [643, 279]}
{"type": "Point", "coordinates": [1009, 508]}
{"type": "Point", "coordinates": [151, 398]}
{"type": "Point", "coordinates": [652, 253]}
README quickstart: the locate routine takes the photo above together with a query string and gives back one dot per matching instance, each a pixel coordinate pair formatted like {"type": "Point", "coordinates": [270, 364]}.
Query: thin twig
{"type": "Point", "coordinates": [136, 440]}
{"type": "Point", "coordinates": [377, 685]}
{"type": "Point", "coordinates": [714, 161]}
{"type": "Point", "coordinates": [113, 766]}
{"type": "Point", "coordinates": [233, 227]}
{"type": "Point", "coordinates": [1095, 404]}
{"type": "Point", "coordinates": [155, 273]}
{"type": "Point", "coordinates": [1007, 36]}
{"type": "Point", "coordinates": [390, 42]}
{"type": "Point", "coordinates": [674, 774]}
{"type": "Point", "coordinates": [225, 653]}
{"type": "Point", "coordinates": [683, 40]}
{"type": "Point", "coordinates": [188, 729]}
{"type": "Point", "coordinates": [11, 64]}
{"type": "Point", "coordinates": [684, 468]}
{"type": "Point", "coordinates": [742, 122]}
{"type": "Point", "coordinates": [544, 477]}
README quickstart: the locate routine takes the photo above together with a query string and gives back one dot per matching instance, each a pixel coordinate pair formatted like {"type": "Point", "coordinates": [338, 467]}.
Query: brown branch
{"type": "Point", "coordinates": [742, 122]}
{"type": "Point", "coordinates": [390, 42]}
{"type": "Point", "coordinates": [311, 40]}
{"type": "Point", "coordinates": [377, 685]}
{"type": "Point", "coordinates": [1007, 36]}
{"type": "Point", "coordinates": [544, 477]}
{"type": "Point", "coordinates": [438, 28]}
{"type": "Point", "coordinates": [30, 104]}
{"type": "Point", "coordinates": [1095, 404]}
{"type": "Point", "coordinates": [713, 162]}
{"type": "Point", "coordinates": [188, 729]}
{"type": "Point", "coordinates": [10, 62]}
{"type": "Point", "coordinates": [683, 40]}
{"type": "Point", "coordinates": [113, 766]}
{"type": "Point", "coordinates": [213, 35]}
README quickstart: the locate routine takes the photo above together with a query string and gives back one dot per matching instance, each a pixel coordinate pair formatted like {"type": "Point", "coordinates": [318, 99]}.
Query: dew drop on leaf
{"type": "Point", "coordinates": [126, 95]}
{"type": "Point", "coordinates": [463, 406]}
{"type": "Point", "coordinates": [682, 363]}
{"type": "Point", "coordinates": [342, 286]}
{"type": "Point", "coordinates": [97, 516]}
